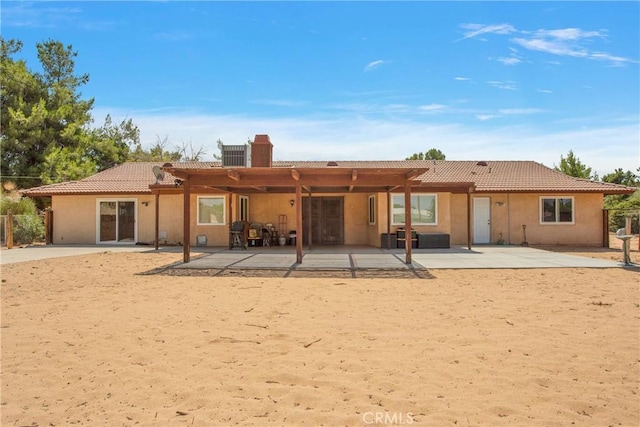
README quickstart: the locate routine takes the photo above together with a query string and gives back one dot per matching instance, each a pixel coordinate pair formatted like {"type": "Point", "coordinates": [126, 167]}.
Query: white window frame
{"type": "Point", "coordinates": [401, 195]}
{"type": "Point", "coordinates": [557, 221]}
{"type": "Point", "coordinates": [243, 208]}
{"type": "Point", "coordinates": [224, 210]}
{"type": "Point", "coordinates": [135, 228]}
{"type": "Point", "coordinates": [372, 209]}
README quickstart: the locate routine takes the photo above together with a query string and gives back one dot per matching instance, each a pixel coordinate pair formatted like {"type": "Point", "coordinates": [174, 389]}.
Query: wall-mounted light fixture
{"type": "Point", "coordinates": [145, 203]}
{"type": "Point", "coordinates": [499, 203]}
{"type": "Point", "coordinates": [292, 202]}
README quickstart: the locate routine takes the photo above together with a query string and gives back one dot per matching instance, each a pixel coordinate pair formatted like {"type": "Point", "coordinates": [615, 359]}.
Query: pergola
{"type": "Point", "coordinates": [231, 180]}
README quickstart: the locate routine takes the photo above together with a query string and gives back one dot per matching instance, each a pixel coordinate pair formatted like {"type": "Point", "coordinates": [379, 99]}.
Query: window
{"type": "Point", "coordinates": [211, 210]}
{"type": "Point", "coordinates": [372, 210]}
{"type": "Point", "coordinates": [424, 209]}
{"type": "Point", "coordinates": [244, 208]}
{"type": "Point", "coordinates": [556, 210]}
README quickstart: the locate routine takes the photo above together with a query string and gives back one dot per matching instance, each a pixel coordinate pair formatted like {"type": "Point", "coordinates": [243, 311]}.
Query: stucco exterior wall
{"type": "Point", "coordinates": [509, 212]}
{"type": "Point", "coordinates": [75, 218]}
{"type": "Point", "coordinates": [458, 222]}
{"type": "Point", "coordinates": [524, 209]}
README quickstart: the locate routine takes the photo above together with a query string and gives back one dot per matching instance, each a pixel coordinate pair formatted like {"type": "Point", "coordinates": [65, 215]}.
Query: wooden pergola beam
{"type": "Point", "coordinates": [234, 175]}
{"type": "Point", "coordinates": [295, 175]}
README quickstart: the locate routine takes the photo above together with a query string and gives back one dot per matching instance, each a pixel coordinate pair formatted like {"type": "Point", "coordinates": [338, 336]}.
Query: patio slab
{"type": "Point", "coordinates": [344, 258]}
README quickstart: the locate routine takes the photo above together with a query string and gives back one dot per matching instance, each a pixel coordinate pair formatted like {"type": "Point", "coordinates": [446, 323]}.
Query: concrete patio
{"type": "Point", "coordinates": [355, 258]}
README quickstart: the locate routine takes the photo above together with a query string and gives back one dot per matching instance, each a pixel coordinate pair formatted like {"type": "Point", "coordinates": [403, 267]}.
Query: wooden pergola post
{"type": "Point", "coordinates": [299, 228]}
{"type": "Point", "coordinates": [157, 219]}
{"type": "Point", "coordinates": [186, 217]}
{"type": "Point", "coordinates": [309, 219]}
{"type": "Point", "coordinates": [389, 219]}
{"type": "Point", "coordinates": [469, 219]}
{"type": "Point", "coordinates": [407, 222]}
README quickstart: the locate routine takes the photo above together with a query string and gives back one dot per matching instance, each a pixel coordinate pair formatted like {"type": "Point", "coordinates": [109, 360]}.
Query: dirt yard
{"type": "Point", "coordinates": [96, 340]}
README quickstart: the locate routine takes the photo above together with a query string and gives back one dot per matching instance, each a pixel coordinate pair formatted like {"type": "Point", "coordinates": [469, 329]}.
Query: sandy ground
{"type": "Point", "coordinates": [94, 340]}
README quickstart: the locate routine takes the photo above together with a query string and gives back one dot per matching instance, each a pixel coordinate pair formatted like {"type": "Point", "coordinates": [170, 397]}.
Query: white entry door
{"type": "Point", "coordinates": [481, 220]}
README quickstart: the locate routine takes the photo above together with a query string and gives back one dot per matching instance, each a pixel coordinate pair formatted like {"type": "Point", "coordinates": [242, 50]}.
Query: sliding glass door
{"type": "Point", "coordinates": [116, 222]}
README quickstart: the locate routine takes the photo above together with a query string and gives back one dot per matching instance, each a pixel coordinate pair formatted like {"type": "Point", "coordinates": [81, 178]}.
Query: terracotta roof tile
{"type": "Point", "coordinates": [496, 176]}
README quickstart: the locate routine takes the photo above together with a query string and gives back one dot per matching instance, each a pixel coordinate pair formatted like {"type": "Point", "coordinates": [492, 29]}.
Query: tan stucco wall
{"type": "Point", "coordinates": [509, 212]}
{"type": "Point", "coordinates": [75, 218]}
{"type": "Point", "coordinates": [523, 209]}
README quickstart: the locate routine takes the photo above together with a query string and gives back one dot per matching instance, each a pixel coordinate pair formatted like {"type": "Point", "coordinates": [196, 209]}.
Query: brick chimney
{"type": "Point", "coordinates": [261, 152]}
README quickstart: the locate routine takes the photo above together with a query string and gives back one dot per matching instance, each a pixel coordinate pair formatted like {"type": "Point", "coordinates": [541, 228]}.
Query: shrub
{"type": "Point", "coordinates": [20, 206]}
{"type": "Point", "coordinates": [27, 229]}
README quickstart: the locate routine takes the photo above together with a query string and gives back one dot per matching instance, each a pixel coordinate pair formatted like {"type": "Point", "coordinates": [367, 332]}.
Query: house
{"type": "Point", "coordinates": [330, 203]}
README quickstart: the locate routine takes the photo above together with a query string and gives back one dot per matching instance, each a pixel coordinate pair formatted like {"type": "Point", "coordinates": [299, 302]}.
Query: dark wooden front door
{"type": "Point", "coordinates": [327, 220]}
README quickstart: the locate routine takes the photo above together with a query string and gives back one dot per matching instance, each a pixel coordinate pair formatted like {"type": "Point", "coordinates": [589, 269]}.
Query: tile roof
{"type": "Point", "coordinates": [125, 178]}
{"type": "Point", "coordinates": [490, 176]}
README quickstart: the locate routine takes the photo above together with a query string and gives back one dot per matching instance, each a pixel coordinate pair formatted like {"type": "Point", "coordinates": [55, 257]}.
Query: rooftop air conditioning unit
{"type": "Point", "coordinates": [236, 155]}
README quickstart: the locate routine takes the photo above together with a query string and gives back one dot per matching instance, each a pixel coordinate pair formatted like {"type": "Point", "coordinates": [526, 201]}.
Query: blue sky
{"type": "Point", "coordinates": [360, 80]}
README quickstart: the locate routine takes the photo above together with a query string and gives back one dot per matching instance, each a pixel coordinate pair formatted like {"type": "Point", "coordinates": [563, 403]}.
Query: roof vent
{"type": "Point", "coordinates": [481, 164]}
{"type": "Point", "coordinates": [332, 164]}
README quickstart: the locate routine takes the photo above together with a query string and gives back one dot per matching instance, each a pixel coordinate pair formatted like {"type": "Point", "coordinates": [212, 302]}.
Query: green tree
{"type": "Point", "coordinates": [572, 166]}
{"type": "Point", "coordinates": [431, 154]}
{"type": "Point", "coordinates": [46, 131]}
{"type": "Point", "coordinates": [158, 153]}
{"type": "Point", "coordinates": [22, 118]}
{"type": "Point", "coordinates": [627, 178]}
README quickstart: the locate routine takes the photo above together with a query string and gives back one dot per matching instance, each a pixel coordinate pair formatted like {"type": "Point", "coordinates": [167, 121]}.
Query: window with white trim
{"type": "Point", "coordinates": [211, 210]}
{"type": "Point", "coordinates": [372, 210]}
{"type": "Point", "coordinates": [556, 210]}
{"type": "Point", "coordinates": [424, 209]}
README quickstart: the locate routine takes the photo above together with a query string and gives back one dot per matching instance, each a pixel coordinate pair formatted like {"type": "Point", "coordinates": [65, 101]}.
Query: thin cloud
{"type": "Point", "coordinates": [462, 79]}
{"type": "Point", "coordinates": [374, 64]}
{"type": "Point", "coordinates": [475, 30]}
{"type": "Point", "coordinates": [569, 34]}
{"type": "Point", "coordinates": [554, 47]}
{"type": "Point", "coordinates": [505, 85]}
{"type": "Point", "coordinates": [510, 61]}
{"type": "Point", "coordinates": [617, 61]}
{"type": "Point", "coordinates": [514, 111]}
{"type": "Point", "coordinates": [485, 117]}
{"type": "Point", "coordinates": [432, 107]}
{"type": "Point", "coordinates": [572, 42]}
{"type": "Point", "coordinates": [279, 102]}
{"type": "Point", "coordinates": [544, 91]}
{"type": "Point", "coordinates": [26, 15]}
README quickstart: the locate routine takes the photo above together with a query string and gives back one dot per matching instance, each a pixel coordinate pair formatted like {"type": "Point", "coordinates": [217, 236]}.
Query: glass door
{"type": "Point", "coordinates": [116, 221]}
